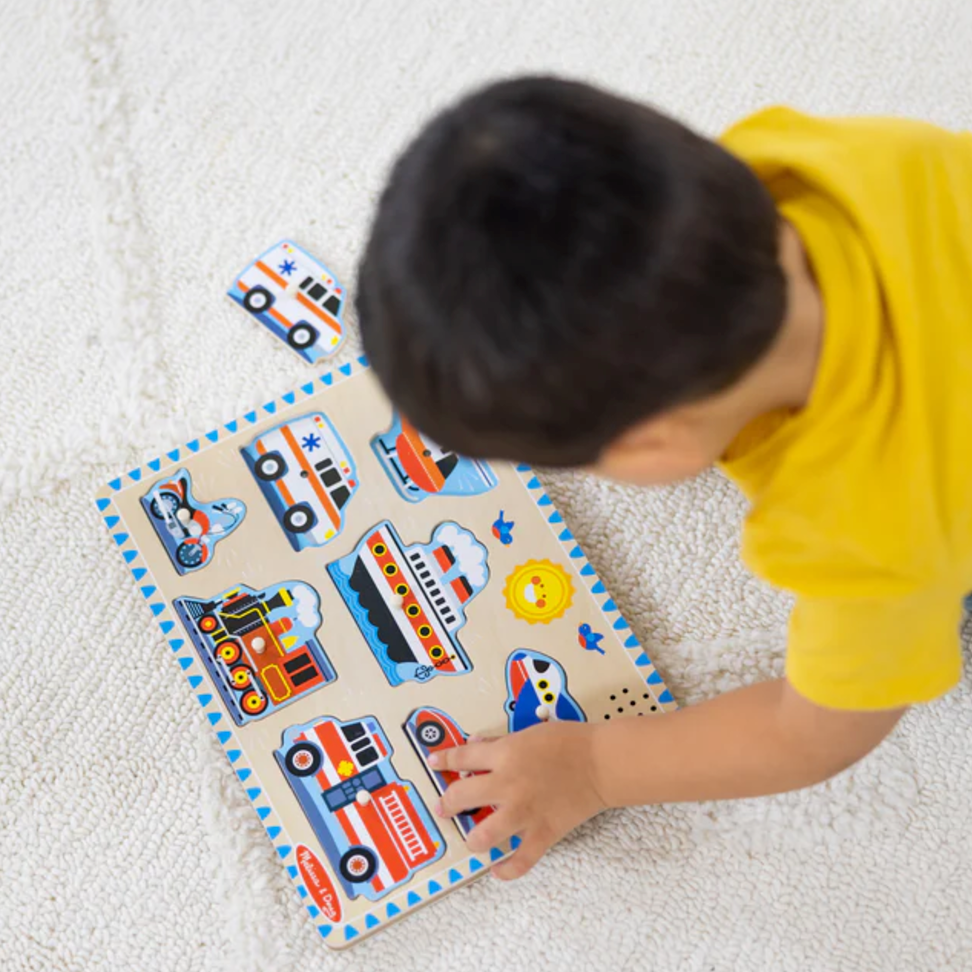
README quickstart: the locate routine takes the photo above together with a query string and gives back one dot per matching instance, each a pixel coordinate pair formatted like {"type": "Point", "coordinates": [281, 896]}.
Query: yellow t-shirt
{"type": "Point", "coordinates": [862, 501]}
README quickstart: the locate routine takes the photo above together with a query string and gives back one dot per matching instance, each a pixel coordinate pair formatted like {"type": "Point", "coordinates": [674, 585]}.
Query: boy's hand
{"type": "Point", "coordinates": [541, 781]}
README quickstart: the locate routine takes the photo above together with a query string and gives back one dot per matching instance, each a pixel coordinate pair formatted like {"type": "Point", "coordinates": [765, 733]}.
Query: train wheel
{"type": "Point", "coordinates": [430, 733]}
{"type": "Point", "coordinates": [229, 652]}
{"type": "Point", "coordinates": [303, 759]}
{"type": "Point", "coordinates": [257, 299]}
{"type": "Point", "coordinates": [241, 676]}
{"type": "Point", "coordinates": [358, 864]}
{"type": "Point", "coordinates": [252, 703]}
{"type": "Point", "coordinates": [208, 624]}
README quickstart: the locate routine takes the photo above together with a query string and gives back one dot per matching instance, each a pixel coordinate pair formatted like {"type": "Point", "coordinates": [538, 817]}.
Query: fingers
{"type": "Point", "coordinates": [471, 758]}
{"type": "Point", "coordinates": [523, 859]}
{"type": "Point", "coordinates": [498, 827]}
{"type": "Point", "coordinates": [468, 794]}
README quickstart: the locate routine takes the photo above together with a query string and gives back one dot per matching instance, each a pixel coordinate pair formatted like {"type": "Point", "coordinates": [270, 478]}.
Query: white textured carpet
{"type": "Point", "coordinates": [148, 150]}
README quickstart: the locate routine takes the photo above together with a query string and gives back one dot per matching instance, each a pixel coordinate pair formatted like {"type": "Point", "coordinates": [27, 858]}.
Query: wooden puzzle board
{"type": "Point", "coordinates": [614, 679]}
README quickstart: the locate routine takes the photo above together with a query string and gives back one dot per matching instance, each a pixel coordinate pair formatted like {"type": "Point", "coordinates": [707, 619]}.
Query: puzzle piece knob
{"type": "Point", "coordinates": [258, 645]}
{"type": "Point", "coordinates": [543, 713]}
{"type": "Point", "coordinates": [183, 515]}
{"type": "Point", "coordinates": [397, 601]}
{"type": "Point", "coordinates": [362, 798]}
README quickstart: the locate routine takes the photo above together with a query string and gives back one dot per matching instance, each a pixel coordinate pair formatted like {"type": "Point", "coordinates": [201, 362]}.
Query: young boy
{"type": "Point", "coordinates": [559, 276]}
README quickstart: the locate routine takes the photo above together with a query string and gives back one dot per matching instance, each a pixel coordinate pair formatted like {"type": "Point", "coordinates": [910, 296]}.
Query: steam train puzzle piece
{"type": "Point", "coordinates": [418, 467]}
{"type": "Point", "coordinates": [373, 826]}
{"type": "Point", "coordinates": [260, 647]}
{"type": "Point", "coordinates": [430, 731]}
{"type": "Point", "coordinates": [188, 528]}
{"type": "Point", "coordinates": [295, 297]}
{"type": "Point", "coordinates": [409, 602]}
{"type": "Point", "coordinates": [307, 475]}
{"type": "Point", "coordinates": [537, 687]}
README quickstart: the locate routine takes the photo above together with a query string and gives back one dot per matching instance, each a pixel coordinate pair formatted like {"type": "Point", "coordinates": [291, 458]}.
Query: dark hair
{"type": "Point", "coordinates": [551, 264]}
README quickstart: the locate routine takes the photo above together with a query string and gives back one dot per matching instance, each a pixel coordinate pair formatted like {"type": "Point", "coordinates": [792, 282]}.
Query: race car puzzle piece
{"type": "Point", "coordinates": [295, 297]}
{"type": "Point", "coordinates": [372, 825]}
{"type": "Point", "coordinates": [307, 475]}
{"type": "Point", "coordinates": [537, 691]}
{"type": "Point", "coordinates": [430, 731]}
{"type": "Point", "coordinates": [410, 602]}
{"type": "Point", "coordinates": [188, 528]}
{"type": "Point", "coordinates": [260, 647]}
{"type": "Point", "coordinates": [419, 468]}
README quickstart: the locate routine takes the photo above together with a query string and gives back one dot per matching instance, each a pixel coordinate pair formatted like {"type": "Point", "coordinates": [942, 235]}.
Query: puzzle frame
{"type": "Point", "coordinates": [275, 717]}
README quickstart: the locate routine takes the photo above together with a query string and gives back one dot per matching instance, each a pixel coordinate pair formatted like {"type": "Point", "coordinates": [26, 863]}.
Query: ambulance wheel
{"type": "Point", "coordinates": [430, 733]}
{"type": "Point", "coordinates": [302, 336]}
{"type": "Point", "coordinates": [303, 759]}
{"type": "Point", "coordinates": [257, 299]}
{"type": "Point", "coordinates": [270, 466]}
{"type": "Point", "coordinates": [358, 864]}
{"type": "Point", "coordinates": [299, 518]}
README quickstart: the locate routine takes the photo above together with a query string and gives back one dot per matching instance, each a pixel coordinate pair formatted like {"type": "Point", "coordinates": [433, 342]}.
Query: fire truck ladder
{"type": "Point", "coordinates": [391, 803]}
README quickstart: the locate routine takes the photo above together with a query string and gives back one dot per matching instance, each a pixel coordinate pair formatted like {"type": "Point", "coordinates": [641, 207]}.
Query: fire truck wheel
{"type": "Point", "coordinates": [257, 299]}
{"type": "Point", "coordinates": [430, 733]}
{"type": "Point", "coordinates": [164, 503]}
{"type": "Point", "coordinates": [303, 759]}
{"type": "Point", "coordinates": [190, 554]}
{"type": "Point", "coordinates": [299, 518]}
{"type": "Point", "coordinates": [358, 864]}
{"type": "Point", "coordinates": [302, 335]}
{"type": "Point", "coordinates": [270, 466]}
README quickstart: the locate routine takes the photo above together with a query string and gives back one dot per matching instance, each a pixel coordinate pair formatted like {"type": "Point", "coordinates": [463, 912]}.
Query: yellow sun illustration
{"type": "Point", "coordinates": [538, 591]}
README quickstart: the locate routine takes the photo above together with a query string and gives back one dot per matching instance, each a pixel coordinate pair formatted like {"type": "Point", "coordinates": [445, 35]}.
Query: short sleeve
{"type": "Point", "coordinates": [875, 653]}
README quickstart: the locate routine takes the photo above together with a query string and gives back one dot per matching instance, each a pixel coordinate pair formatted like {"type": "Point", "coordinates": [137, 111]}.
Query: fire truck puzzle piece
{"type": "Point", "coordinates": [409, 602]}
{"type": "Point", "coordinates": [307, 475]}
{"type": "Point", "coordinates": [295, 297]}
{"type": "Point", "coordinates": [372, 825]}
{"type": "Point", "coordinates": [537, 687]}
{"type": "Point", "coordinates": [259, 647]}
{"type": "Point", "coordinates": [419, 468]}
{"type": "Point", "coordinates": [188, 528]}
{"type": "Point", "coordinates": [430, 731]}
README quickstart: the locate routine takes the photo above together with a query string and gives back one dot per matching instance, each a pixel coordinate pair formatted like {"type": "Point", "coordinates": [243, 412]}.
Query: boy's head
{"type": "Point", "coordinates": [551, 267]}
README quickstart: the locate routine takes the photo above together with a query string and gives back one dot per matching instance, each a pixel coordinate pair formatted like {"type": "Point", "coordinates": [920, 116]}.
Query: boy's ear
{"type": "Point", "coordinates": [656, 451]}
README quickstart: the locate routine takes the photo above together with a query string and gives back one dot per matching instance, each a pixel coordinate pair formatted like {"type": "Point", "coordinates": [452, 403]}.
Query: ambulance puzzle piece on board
{"type": "Point", "coordinates": [295, 297]}
{"type": "Point", "coordinates": [409, 602]}
{"type": "Point", "coordinates": [419, 468]}
{"type": "Point", "coordinates": [430, 731]}
{"type": "Point", "coordinates": [307, 475]}
{"type": "Point", "coordinates": [372, 824]}
{"type": "Point", "coordinates": [189, 529]}
{"type": "Point", "coordinates": [260, 647]}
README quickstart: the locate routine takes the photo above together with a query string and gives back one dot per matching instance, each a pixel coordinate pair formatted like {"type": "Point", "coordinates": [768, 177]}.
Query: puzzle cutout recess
{"type": "Point", "coordinates": [346, 598]}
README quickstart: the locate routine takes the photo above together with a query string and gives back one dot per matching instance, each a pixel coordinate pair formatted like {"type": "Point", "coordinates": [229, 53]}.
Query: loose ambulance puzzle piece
{"type": "Point", "coordinates": [295, 297]}
{"type": "Point", "coordinates": [431, 731]}
{"type": "Point", "coordinates": [260, 646]}
{"type": "Point", "coordinates": [419, 468]}
{"type": "Point", "coordinates": [537, 687]}
{"type": "Point", "coordinates": [307, 475]}
{"type": "Point", "coordinates": [372, 824]}
{"type": "Point", "coordinates": [189, 529]}
{"type": "Point", "coordinates": [409, 602]}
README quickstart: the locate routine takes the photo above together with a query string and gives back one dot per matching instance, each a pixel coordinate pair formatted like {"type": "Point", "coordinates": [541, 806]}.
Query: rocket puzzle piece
{"type": "Point", "coordinates": [537, 687]}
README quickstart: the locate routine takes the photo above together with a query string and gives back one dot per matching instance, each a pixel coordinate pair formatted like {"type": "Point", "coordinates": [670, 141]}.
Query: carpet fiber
{"type": "Point", "coordinates": [148, 151]}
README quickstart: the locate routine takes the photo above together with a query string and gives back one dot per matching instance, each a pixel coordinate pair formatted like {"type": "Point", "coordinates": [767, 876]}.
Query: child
{"type": "Point", "coordinates": [559, 276]}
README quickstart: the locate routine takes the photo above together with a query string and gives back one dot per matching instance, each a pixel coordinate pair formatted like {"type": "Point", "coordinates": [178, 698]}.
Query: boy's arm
{"type": "Point", "coordinates": [754, 741]}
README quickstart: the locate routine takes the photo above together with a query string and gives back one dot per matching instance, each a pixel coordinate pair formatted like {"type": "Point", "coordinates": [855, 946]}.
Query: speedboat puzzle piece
{"type": "Point", "coordinates": [409, 602]}
{"type": "Point", "coordinates": [372, 824]}
{"type": "Point", "coordinates": [188, 528]}
{"type": "Point", "coordinates": [419, 468]}
{"type": "Point", "coordinates": [307, 475]}
{"type": "Point", "coordinates": [295, 297]}
{"type": "Point", "coordinates": [537, 691]}
{"type": "Point", "coordinates": [259, 646]}
{"type": "Point", "coordinates": [430, 731]}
